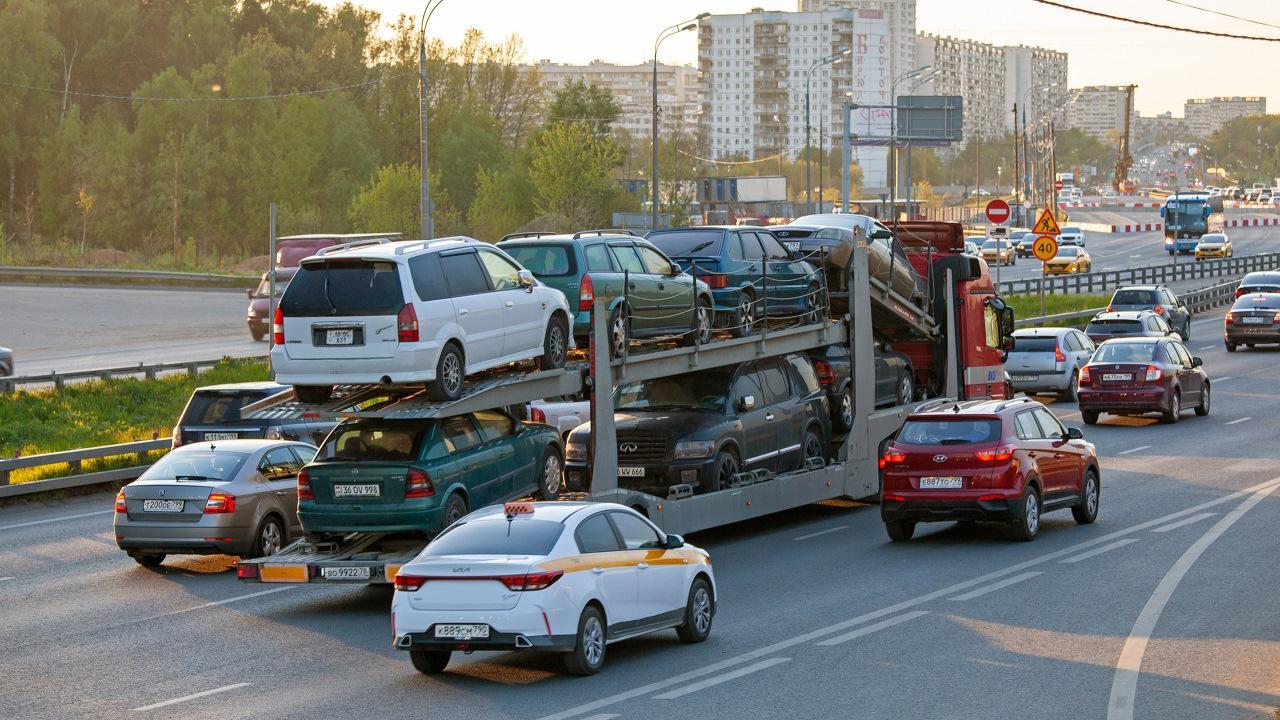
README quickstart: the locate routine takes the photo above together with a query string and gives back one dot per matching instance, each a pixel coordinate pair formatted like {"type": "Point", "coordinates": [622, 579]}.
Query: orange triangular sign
{"type": "Point", "coordinates": [1046, 224]}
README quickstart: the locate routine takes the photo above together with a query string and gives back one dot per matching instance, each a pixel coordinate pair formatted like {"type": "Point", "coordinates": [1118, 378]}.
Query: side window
{"type": "Point", "coordinates": [278, 464]}
{"type": "Point", "coordinates": [1180, 354]}
{"type": "Point", "coordinates": [1049, 424]}
{"type": "Point", "coordinates": [636, 533]}
{"type": "Point", "coordinates": [459, 433]}
{"type": "Point", "coordinates": [427, 278]}
{"type": "Point", "coordinates": [305, 454]}
{"type": "Point", "coordinates": [804, 373]}
{"type": "Point", "coordinates": [465, 275]}
{"type": "Point", "coordinates": [1161, 325]}
{"type": "Point", "coordinates": [1085, 342]}
{"type": "Point", "coordinates": [598, 258]}
{"type": "Point", "coordinates": [595, 535]}
{"type": "Point", "coordinates": [494, 425]}
{"type": "Point", "coordinates": [776, 387]}
{"type": "Point", "coordinates": [751, 249]}
{"type": "Point", "coordinates": [1069, 342]}
{"type": "Point", "coordinates": [1026, 424]}
{"type": "Point", "coordinates": [1169, 298]}
{"type": "Point", "coordinates": [772, 248]}
{"type": "Point", "coordinates": [627, 258]}
{"type": "Point", "coordinates": [735, 247]}
{"type": "Point", "coordinates": [991, 326]}
{"type": "Point", "coordinates": [657, 264]}
{"type": "Point", "coordinates": [745, 385]}
{"type": "Point", "coordinates": [503, 274]}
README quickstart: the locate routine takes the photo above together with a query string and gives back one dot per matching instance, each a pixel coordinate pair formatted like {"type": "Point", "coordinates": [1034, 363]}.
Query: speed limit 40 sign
{"type": "Point", "coordinates": [1045, 247]}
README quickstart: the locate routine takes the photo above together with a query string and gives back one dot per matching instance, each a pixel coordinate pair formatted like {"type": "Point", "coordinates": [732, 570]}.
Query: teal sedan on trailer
{"type": "Point", "coordinates": [401, 475]}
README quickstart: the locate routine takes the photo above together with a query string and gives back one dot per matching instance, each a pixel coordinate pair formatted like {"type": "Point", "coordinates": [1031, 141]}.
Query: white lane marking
{"type": "Point", "coordinates": [873, 628]}
{"type": "Point", "coordinates": [998, 586]}
{"type": "Point", "coordinates": [709, 682]}
{"type": "Point", "coordinates": [1208, 347]}
{"type": "Point", "coordinates": [1135, 256]}
{"type": "Point", "coordinates": [1098, 551]}
{"type": "Point", "coordinates": [1125, 684]}
{"type": "Point", "coordinates": [822, 532]}
{"type": "Point", "coordinates": [602, 716]}
{"type": "Point", "coordinates": [15, 526]}
{"type": "Point", "coordinates": [216, 603]}
{"type": "Point", "coordinates": [6, 578]}
{"type": "Point", "coordinates": [898, 607]}
{"type": "Point", "coordinates": [1222, 379]}
{"type": "Point", "coordinates": [1259, 370]}
{"type": "Point", "coordinates": [1237, 422]}
{"type": "Point", "coordinates": [1184, 522]}
{"type": "Point", "coordinates": [1133, 450]}
{"type": "Point", "coordinates": [193, 696]}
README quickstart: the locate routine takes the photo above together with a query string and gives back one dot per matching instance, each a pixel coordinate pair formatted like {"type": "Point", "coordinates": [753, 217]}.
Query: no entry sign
{"type": "Point", "coordinates": [997, 211]}
{"type": "Point", "coordinates": [1057, 185]}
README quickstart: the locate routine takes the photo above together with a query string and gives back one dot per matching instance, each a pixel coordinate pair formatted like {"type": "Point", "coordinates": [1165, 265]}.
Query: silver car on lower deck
{"type": "Point", "coordinates": [1048, 360]}
{"type": "Point", "coordinates": [234, 497]}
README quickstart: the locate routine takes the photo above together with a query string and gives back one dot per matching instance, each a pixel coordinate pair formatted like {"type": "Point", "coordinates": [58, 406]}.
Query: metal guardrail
{"type": "Point", "coordinates": [74, 459]}
{"type": "Point", "coordinates": [9, 383]}
{"type": "Point", "coordinates": [154, 276]}
{"type": "Point", "coordinates": [1147, 275]}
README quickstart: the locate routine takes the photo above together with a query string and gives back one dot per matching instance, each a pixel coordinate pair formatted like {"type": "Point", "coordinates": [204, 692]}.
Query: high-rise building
{"type": "Point", "coordinates": [1097, 110]}
{"type": "Point", "coordinates": [1026, 70]}
{"type": "Point", "coordinates": [1161, 125]}
{"type": "Point", "coordinates": [632, 88]}
{"type": "Point", "coordinates": [901, 16]}
{"type": "Point", "coordinates": [1206, 116]}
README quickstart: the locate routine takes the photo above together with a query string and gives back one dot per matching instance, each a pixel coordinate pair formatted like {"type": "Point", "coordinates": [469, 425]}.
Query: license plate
{"type": "Point", "coordinates": [339, 337]}
{"type": "Point", "coordinates": [1023, 378]}
{"type": "Point", "coordinates": [1116, 377]}
{"type": "Point", "coordinates": [345, 573]}
{"type": "Point", "coordinates": [462, 632]}
{"type": "Point", "coordinates": [221, 436]}
{"type": "Point", "coordinates": [944, 483]}
{"type": "Point", "coordinates": [792, 245]}
{"type": "Point", "coordinates": [357, 491]}
{"type": "Point", "coordinates": [1253, 320]}
{"type": "Point", "coordinates": [630, 472]}
{"type": "Point", "coordinates": [162, 506]}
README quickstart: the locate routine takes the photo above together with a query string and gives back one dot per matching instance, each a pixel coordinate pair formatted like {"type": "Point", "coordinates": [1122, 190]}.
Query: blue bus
{"type": "Point", "coordinates": [1187, 216]}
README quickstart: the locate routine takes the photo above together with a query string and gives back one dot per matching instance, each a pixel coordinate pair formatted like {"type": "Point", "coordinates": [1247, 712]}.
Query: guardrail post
{"type": "Point", "coordinates": [57, 381]}
{"type": "Point", "coordinates": [75, 466]}
{"type": "Point", "coordinates": [150, 373]}
{"type": "Point", "coordinates": [193, 369]}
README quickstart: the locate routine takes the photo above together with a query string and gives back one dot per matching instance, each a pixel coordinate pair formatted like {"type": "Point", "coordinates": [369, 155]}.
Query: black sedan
{"type": "Point", "coordinates": [895, 380]}
{"type": "Point", "coordinates": [1253, 320]}
{"type": "Point", "coordinates": [702, 429]}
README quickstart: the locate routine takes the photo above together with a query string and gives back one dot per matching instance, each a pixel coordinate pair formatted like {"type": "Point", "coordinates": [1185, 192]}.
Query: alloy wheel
{"type": "Point", "coordinates": [1033, 513]}
{"type": "Point", "coordinates": [551, 474]}
{"type": "Point", "coordinates": [846, 409]}
{"type": "Point", "coordinates": [272, 539]}
{"type": "Point", "coordinates": [704, 323]}
{"type": "Point", "coordinates": [746, 314]}
{"type": "Point", "coordinates": [702, 610]}
{"type": "Point", "coordinates": [812, 446]}
{"type": "Point", "coordinates": [727, 468]}
{"type": "Point", "coordinates": [593, 641]}
{"type": "Point", "coordinates": [452, 368]}
{"type": "Point", "coordinates": [1091, 495]}
{"type": "Point", "coordinates": [618, 333]}
{"type": "Point", "coordinates": [557, 345]}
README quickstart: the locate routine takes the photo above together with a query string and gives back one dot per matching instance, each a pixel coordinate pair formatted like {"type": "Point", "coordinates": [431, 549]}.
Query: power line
{"type": "Point", "coordinates": [1223, 14]}
{"type": "Point", "coordinates": [1160, 26]}
{"type": "Point", "coordinates": [296, 93]}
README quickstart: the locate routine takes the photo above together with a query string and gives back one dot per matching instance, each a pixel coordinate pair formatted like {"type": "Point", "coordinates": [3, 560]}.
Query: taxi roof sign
{"type": "Point", "coordinates": [513, 509]}
{"type": "Point", "coordinates": [1046, 224]}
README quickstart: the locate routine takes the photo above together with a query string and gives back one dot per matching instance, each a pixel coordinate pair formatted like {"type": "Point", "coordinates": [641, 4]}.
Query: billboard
{"type": "Point", "coordinates": [763, 188]}
{"type": "Point", "coordinates": [872, 67]}
{"type": "Point", "coordinates": [930, 119]}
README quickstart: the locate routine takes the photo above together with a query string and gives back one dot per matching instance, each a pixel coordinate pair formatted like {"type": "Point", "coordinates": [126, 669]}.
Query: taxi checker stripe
{"type": "Point", "coordinates": [624, 558]}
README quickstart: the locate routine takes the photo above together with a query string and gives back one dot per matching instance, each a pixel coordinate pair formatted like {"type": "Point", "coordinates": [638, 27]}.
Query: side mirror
{"type": "Point", "coordinates": [881, 235]}
{"type": "Point", "coordinates": [1075, 433]}
{"type": "Point", "coordinates": [527, 281]}
{"type": "Point", "coordinates": [1197, 361]}
{"type": "Point", "coordinates": [674, 541]}
{"type": "Point", "coordinates": [249, 292]}
{"type": "Point", "coordinates": [746, 403]}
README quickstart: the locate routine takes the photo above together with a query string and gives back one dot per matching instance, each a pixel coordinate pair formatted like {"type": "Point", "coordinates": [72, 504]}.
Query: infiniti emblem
{"type": "Point", "coordinates": [162, 493]}
{"type": "Point", "coordinates": [939, 458]}
{"type": "Point", "coordinates": [355, 471]}
{"type": "Point", "coordinates": [628, 447]}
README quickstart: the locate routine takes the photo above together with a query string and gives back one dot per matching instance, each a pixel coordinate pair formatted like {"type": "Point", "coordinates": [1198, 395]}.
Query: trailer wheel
{"type": "Point", "coordinates": [430, 662]}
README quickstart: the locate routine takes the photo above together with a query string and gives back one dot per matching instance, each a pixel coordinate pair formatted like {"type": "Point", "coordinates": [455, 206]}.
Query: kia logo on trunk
{"type": "Point", "coordinates": [628, 447]}
{"type": "Point", "coordinates": [939, 458]}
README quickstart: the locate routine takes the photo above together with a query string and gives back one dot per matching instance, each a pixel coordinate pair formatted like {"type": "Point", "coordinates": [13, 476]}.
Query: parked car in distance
{"type": "Point", "coordinates": [213, 413]}
{"type": "Point", "coordinates": [750, 273]}
{"type": "Point", "coordinates": [6, 362]}
{"type": "Point", "coordinates": [971, 248]}
{"type": "Point", "coordinates": [1213, 246]}
{"type": "Point", "coordinates": [830, 247]}
{"type": "Point", "coordinates": [1069, 260]}
{"type": "Point", "coordinates": [1254, 319]}
{"type": "Point", "coordinates": [234, 497]}
{"type": "Point", "coordinates": [895, 382]}
{"type": "Point", "coordinates": [426, 311]}
{"type": "Point", "coordinates": [291, 250]}
{"type": "Point", "coordinates": [1071, 235]}
{"type": "Point", "coordinates": [513, 578]}
{"type": "Point", "coordinates": [999, 252]}
{"type": "Point", "coordinates": [375, 475]}
{"type": "Point", "coordinates": [593, 264]}
{"type": "Point", "coordinates": [1048, 360]}
{"type": "Point", "coordinates": [259, 314]}
{"type": "Point", "coordinates": [1003, 460]}
{"type": "Point", "coordinates": [1266, 281]}
{"type": "Point", "coordinates": [702, 428]}
{"type": "Point", "coordinates": [1128, 323]}
{"type": "Point", "coordinates": [1134, 376]}
{"type": "Point", "coordinates": [1157, 298]}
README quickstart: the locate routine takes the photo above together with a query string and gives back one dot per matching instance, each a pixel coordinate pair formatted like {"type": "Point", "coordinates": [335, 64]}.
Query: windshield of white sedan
{"type": "Point", "coordinates": [215, 465]}
{"type": "Point", "coordinates": [521, 536]}
{"type": "Point", "coordinates": [698, 391]}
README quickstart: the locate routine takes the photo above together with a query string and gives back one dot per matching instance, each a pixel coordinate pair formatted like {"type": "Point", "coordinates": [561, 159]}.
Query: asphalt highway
{"type": "Point", "coordinates": [1165, 608]}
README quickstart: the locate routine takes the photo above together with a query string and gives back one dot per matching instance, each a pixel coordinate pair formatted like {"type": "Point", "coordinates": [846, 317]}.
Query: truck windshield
{"type": "Point", "coordinates": [704, 390]}
{"type": "Point", "coordinates": [949, 432]}
{"type": "Point", "coordinates": [215, 465]}
{"type": "Point", "coordinates": [521, 536]}
{"type": "Point", "coordinates": [344, 287]}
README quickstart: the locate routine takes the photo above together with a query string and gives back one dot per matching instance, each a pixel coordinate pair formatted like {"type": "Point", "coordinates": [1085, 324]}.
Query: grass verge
{"type": "Point", "coordinates": [103, 413]}
{"type": "Point", "coordinates": [1028, 306]}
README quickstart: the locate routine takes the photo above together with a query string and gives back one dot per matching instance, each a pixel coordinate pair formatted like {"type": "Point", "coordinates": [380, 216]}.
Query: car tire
{"type": "Point", "coordinates": [450, 375]}
{"type": "Point", "coordinates": [619, 332]}
{"type": "Point", "coordinates": [1069, 395]}
{"type": "Point", "coordinates": [703, 321]}
{"type": "Point", "coordinates": [587, 656]}
{"type": "Point", "coordinates": [1174, 413]}
{"type": "Point", "coordinates": [1090, 417]}
{"type": "Point", "coordinates": [454, 508]}
{"type": "Point", "coordinates": [270, 537]}
{"type": "Point", "coordinates": [551, 474]}
{"type": "Point", "coordinates": [744, 317]}
{"type": "Point", "coordinates": [812, 305]}
{"type": "Point", "coordinates": [726, 466]}
{"type": "Point", "coordinates": [699, 611]}
{"type": "Point", "coordinates": [1086, 511]}
{"type": "Point", "coordinates": [430, 662]}
{"type": "Point", "coordinates": [906, 389]}
{"type": "Point", "coordinates": [313, 394]}
{"type": "Point", "coordinates": [811, 446]}
{"type": "Point", "coordinates": [1231, 347]}
{"type": "Point", "coordinates": [842, 418]}
{"type": "Point", "coordinates": [900, 530]}
{"type": "Point", "coordinates": [1027, 525]}
{"type": "Point", "coordinates": [1203, 408]}
{"type": "Point", "coordinates": [147, 560]}
{"type": "Point", "coordinates": [555, 344]}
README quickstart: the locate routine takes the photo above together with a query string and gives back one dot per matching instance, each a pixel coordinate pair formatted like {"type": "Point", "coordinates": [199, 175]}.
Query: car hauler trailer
{"type": "Point", "coordinates": [853, 473]}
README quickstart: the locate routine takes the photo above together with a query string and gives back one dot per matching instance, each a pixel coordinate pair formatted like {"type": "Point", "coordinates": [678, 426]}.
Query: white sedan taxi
{"type": "Point", "coordinates": [565, 577]}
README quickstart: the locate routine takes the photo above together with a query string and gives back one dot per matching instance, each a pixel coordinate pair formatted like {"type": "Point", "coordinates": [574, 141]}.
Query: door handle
{"type": "Point", "coordinates": [661, 286]}
{"type": "Point", "coordinates": [643, 566]}
{"type": "Point", "coordinates": [509, 303]}
{"type": "Point", "coordinates": [467, 467]}
{"type": "Point", "coordinates": [462, 311]}
{"type": "Point", "coordinates": [597, 571]}
{"type": "Point", "coordinates": [631, 285]}
{"type": "Point", "coordinates": [282, 492]}
{"type": "Point", "coordinates": [768, 416]}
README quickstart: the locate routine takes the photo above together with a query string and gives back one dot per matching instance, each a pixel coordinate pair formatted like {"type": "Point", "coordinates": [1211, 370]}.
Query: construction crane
{"type": "Point", "coordinates": [1121, 183]}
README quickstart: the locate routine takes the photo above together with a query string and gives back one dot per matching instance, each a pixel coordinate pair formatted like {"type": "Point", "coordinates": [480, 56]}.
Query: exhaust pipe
{"type": "Point", "coordinates": [404, 641]}
{"type": "Point", "coordinates": [523, 642]}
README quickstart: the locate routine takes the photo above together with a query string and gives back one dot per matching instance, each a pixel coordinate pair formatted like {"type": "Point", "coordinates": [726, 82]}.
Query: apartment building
{"type": "Point", "coordinates": [1029, 71]}
{"type": "Point", "coordinates": [1097, 110]}
{"type": "Point", "coordinates": [1207, 115]}
{"type": "Point", "coordinates": [632, 88]}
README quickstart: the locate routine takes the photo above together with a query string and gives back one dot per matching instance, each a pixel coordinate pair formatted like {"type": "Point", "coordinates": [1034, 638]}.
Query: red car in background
{"type": "Point", "coordinates": [1138, 375]}
{"type": "Point", "coordinates": [259, 318]}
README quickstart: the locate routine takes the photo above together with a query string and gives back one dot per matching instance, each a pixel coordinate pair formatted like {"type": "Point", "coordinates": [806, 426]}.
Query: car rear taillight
{"type": "Point", "coordinates": [246, 572]}
{"type": "Point", "coordinates": [1153, 373]}
{"type": "Point", "coordinates": [1084, 376]}
{"type": "Point", "coordinates": [304, 486]}
{"type": "Point", "coordinates": [277, 327]}
{"type": "Point", "coordinates": [1057, 354]}
{"type": "Point", "coordinates": [1229, 319]}
{"type": "Point", "coordinates": [1108, 308]}
{"type": "Point", "coordinates": [891, 457]}
{"type": "Point", "coordinates": [586, 294]}
{"type": "Point", "coordinates": [1239, 292]}
{"type": "Point", "coordinates": [530, 581]}
{"type": "Point", "coordinates": [407, 324]}
{"type": "Point", "coordinates": [120, 506]}
{"type": "Point", "coordinates": [826, 375]}
{"type": "Point", "coordinates": [715, 280]}
{"type": "Point", "coordinates": [409, 583]}
{"type": "Point", "coordinates": [1276, 318]}
{"type": "Point", "coordinates": [219, 503]}
{"type": "Point", "coordinates": [1004, 453]}
{"type": "Point", "coordinates": [990, 498]}
{"type": "Point", "coordinates": [536, 415]}
{"type": "Point", "coordinates": [893, 498]}
{"type": "Point", "coordinates": [1159, 309]}
{"type": "Point", "coordinates": [417, 484]}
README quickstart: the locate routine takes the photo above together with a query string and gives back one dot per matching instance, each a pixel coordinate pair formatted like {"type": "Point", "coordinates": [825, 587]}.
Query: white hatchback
{"type": "Point", "coordinates": [395, 313]}
{"type": "Point", "coordinates": [560, 576]}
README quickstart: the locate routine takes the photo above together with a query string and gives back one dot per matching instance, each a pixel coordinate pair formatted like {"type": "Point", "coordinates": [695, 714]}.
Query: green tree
{"type": "Point", "coordinates": [577, 101]}
{"type": "Point", "coordinates": [503, 203]}
{"type": "Point", "coordinates": [27, 53]}
{"type": "Point", "coordinates": [389, 203]}
{"type": "Point", "coordinates": [570, 171]}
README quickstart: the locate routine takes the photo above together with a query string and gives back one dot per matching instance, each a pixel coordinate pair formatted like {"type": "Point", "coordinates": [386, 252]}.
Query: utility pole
{"type": "Point", "coordinates": [845, 158]}
{"type": "Point", "coordinates": [424, 179]}
{"type": "Point", "coordinates": [653, 164]}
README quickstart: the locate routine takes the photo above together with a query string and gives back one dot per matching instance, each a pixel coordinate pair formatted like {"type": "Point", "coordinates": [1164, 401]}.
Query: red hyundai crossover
{"type": "Point", "coordinates": [1003, 460]}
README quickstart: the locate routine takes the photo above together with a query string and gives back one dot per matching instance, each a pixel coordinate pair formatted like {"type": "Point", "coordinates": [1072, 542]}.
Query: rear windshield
{"type": "Point", "coordinates": [212, 407]}
{"type": "Point", "coordinates": [1134, 297]}
{"type": "Point", "coordinates": [522, 536]}
{"type": "Point", "coordinates": [1257, 302]}
{"type": "Point", "coordinates": [949, 432]}
{"type": "Point", "coordinates": [398, 442]}
{"type": "Point", "coordinates": [1124, 352]}
{"type": "Point", "coordinates": [683, 243]}
{"type": "Point", "coordinates": [1113, 327]}
{"type": "Point", "coordinates": [543, 260]}
{"type": "Point", "coordinates": [1034, 344]}
{"type": "Point", "coordinates": [704, 390]}
{"type": "Point", "coordinates": [344, 287]}
{"type": "Point", "coordinates": [993, 244]}
{"type": "Point", "coordinates": [1246, 287]}
{"type": "Point", "coordinates": [215, 465]}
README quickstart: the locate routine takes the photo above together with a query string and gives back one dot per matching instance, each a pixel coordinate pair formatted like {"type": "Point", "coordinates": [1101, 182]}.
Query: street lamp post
{"type": "Point", "coordinates": [1021, 181]}
{"type": "Point", "coordinates": [424, 182]}
{"type": "Point", "coordinates": [653, 166]}
{"type": "Point", "coordinates": [808, 74]}
{"type": "Point", "coordinates": [893, 133]}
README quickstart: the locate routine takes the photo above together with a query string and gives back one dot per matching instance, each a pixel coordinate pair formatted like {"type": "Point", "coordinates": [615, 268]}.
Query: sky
{"type": "Point", "coordinates": [1168, 67]}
